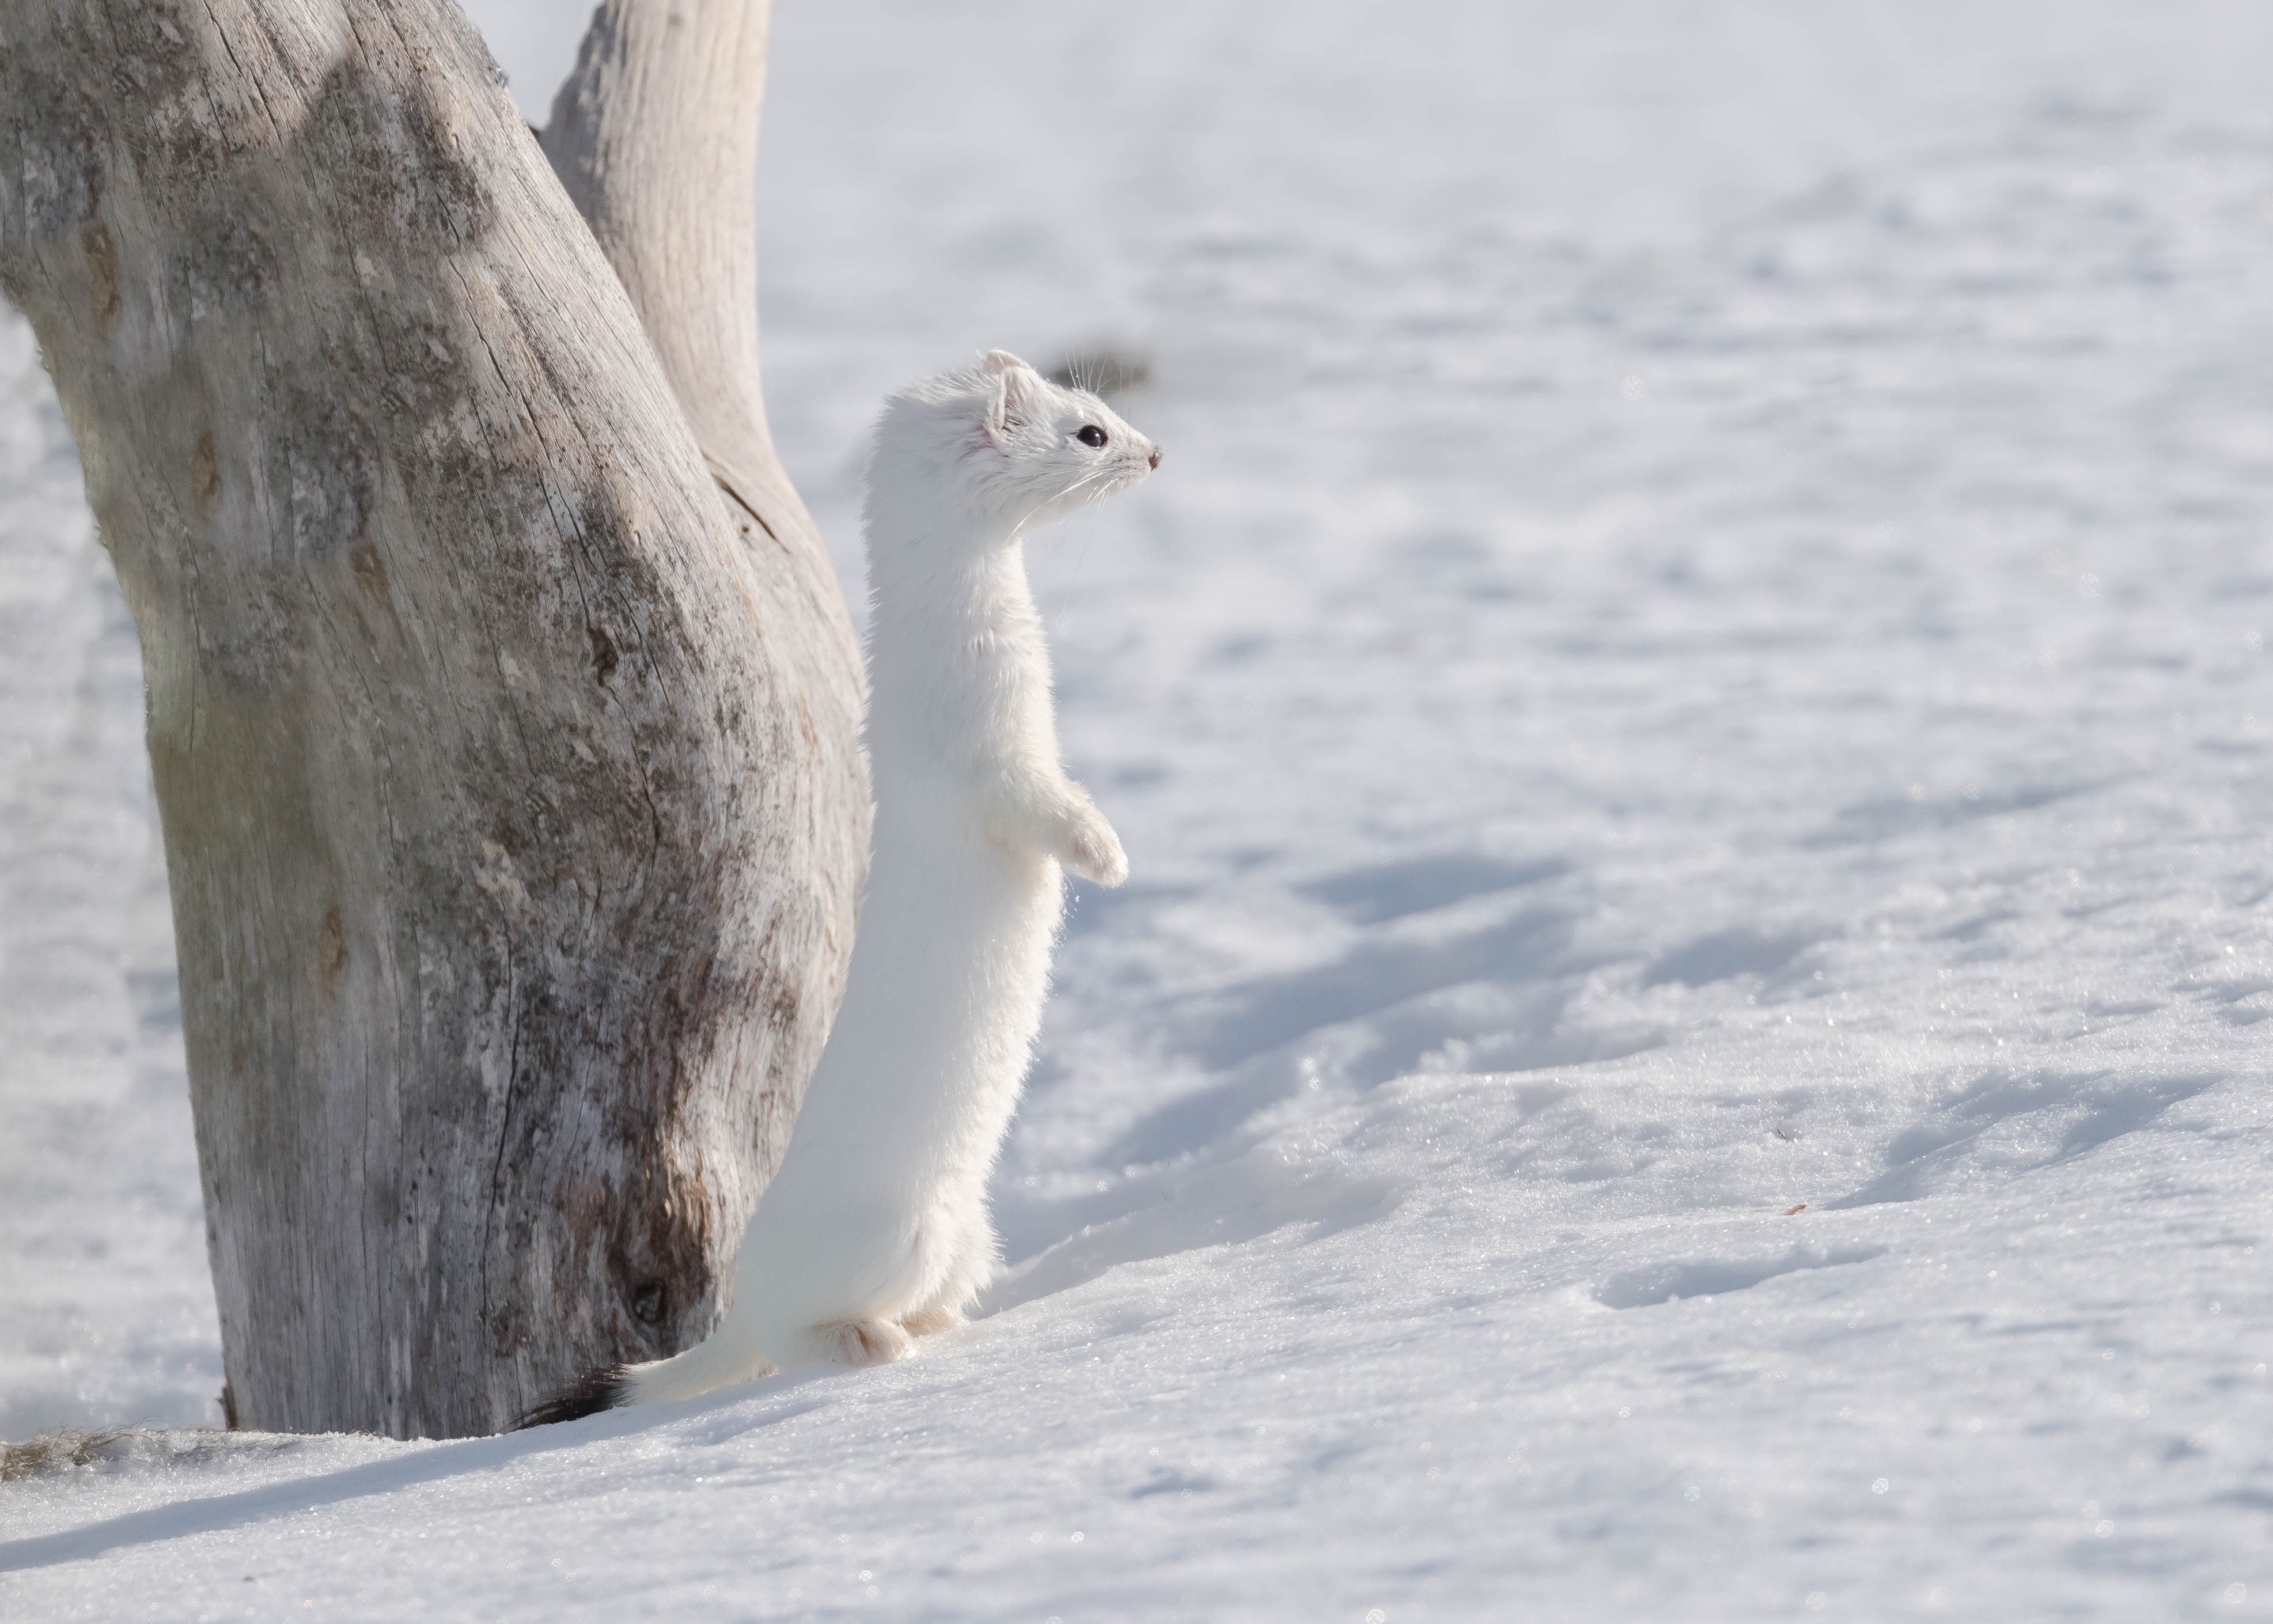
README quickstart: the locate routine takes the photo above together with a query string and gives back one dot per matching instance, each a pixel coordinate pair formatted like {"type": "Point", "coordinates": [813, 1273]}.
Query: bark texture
{"type": "Point", "coordinates": [511, 795]}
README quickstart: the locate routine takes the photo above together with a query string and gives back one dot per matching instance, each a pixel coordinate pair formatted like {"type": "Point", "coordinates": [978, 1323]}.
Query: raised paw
{"type": "Point", "coordinates": [930, 1321]}
{"type": "Point", "coordinates": [1093, 850]}
{"type": "Point", "coordinates": [867, 1341]}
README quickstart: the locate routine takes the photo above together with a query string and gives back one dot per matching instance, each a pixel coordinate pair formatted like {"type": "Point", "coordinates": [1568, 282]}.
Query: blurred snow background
{"type": "Point", "coordinates": [1698, 651]}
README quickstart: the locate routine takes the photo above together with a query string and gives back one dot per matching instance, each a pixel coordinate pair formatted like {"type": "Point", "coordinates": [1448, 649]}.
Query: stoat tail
{"type": "Point", "coordinates": [720, 1361]}
{"type": "Point", "coordinates": [595, 1390]}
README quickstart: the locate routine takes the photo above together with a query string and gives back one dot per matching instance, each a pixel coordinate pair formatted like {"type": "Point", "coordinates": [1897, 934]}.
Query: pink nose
{"type": "Point", "coordinates": [1154, 460]}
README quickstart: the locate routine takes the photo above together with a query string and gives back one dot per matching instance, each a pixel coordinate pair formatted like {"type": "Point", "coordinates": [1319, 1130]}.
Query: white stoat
{"type": "Point", "coordinates": [875, 1229]}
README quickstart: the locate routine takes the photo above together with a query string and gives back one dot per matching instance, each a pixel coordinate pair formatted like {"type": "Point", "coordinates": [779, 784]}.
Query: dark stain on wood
{"type": "Point", "coordinates": [102, 273]}
{"type": "Point", "coordinates": [369, 569]}
{"type": "Point", "coordinates": [205, 472]}
{"type": "Point", "coordinates": [223, 264]}
{"type": "Point", "coordinates": [323, 462]}
{"type": "Point", "coordinates": [332, 950]}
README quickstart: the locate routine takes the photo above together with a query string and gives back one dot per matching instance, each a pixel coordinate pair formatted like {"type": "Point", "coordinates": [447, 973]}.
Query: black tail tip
{"type": "Point", "coordinates": [605, 1388]}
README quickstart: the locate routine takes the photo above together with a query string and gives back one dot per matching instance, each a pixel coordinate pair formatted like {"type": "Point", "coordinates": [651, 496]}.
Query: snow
{"type": "Point", "coordinates": [1698, 652]}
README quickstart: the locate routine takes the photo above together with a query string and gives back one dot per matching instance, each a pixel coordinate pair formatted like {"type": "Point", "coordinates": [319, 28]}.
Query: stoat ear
{"type": "Point", "coordinates": [1017, 399]}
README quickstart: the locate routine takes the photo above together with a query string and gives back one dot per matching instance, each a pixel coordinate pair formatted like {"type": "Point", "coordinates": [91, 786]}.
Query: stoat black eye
{"type": "Point", "coordinates": [1090, 435]}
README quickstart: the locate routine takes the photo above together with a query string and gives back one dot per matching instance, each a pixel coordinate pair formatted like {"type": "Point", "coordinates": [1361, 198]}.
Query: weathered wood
{"type": "Point", "coordinates": [513, 812]}
{"type": "Point", "coordinates": [655, 136]}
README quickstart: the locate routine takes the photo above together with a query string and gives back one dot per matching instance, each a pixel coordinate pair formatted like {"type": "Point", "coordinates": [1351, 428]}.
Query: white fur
{"type": "Point", "coordinates": [875, 1229]}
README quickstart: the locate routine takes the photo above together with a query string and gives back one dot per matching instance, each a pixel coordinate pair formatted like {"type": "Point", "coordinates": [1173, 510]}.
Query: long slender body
{"type": "Point", "coordinates": [875, 1228]}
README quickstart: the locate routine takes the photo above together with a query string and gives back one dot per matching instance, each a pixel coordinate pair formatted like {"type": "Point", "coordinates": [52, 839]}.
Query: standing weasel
{"type": "Point", "coordinates": [875, 1229]}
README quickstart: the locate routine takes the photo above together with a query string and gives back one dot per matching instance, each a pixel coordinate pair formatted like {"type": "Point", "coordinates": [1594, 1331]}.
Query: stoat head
{"type": "Point", "coordinates": [1006, 443]}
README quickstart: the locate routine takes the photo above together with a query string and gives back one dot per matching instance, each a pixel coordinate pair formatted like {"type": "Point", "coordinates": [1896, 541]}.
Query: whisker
{"type": "Point", "coordinates": [1056, 496]}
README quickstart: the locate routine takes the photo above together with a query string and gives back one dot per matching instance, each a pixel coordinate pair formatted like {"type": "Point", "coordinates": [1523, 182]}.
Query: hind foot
{"type": "Point", "coordinates": [930, 1321]}
{"type": "Point", "coordinates": [867, 1341]}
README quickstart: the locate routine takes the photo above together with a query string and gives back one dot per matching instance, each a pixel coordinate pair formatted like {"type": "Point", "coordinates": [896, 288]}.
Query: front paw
{"type": "Point", "coordinates": [930, 1321]}
{"type": "Point", "coordinates": [1092, 850]}
{"type": "Point", "coordinates": [867, 1341]}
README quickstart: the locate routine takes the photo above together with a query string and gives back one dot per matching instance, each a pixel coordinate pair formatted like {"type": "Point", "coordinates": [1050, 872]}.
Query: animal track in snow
{"type": "Point", "coordinates": [1869, 821]}
{"type": "Point", "coordinates": [1232, 1201]}
{"type": "Point", "coordinates": [1491, 998]}
{"type": "Point", "coordinates": [1665, 1282]}
{"type": "Point", "coordinates": [1379, 892]}
{"type": "Point", "coordinates": [2017, 1123]}
{"type": "Point", "coordinates": [1728, 953]}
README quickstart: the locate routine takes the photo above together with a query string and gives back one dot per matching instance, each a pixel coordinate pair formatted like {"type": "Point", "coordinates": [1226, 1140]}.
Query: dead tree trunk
{"type": "Point", "coordinates": [513, 808]}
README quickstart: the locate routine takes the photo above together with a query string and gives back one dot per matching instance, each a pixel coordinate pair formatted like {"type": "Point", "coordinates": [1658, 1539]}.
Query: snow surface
{"type": "Point", "coordinates": [1691, 711]}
